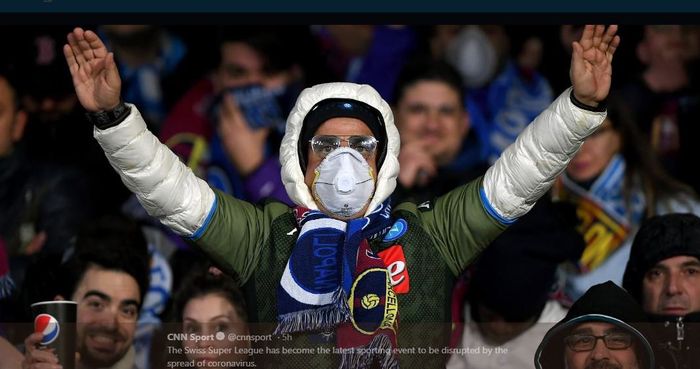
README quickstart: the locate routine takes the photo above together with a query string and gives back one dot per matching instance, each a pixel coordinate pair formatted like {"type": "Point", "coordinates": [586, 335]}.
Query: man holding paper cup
{"type": "Point", "coordinates": [106, 278]}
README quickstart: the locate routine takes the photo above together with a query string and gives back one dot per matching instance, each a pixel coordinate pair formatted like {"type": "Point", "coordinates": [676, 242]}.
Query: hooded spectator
{"type": "Point", "coordinates": [606, 313]}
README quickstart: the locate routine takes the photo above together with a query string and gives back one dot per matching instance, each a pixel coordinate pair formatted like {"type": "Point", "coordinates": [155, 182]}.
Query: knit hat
{"type": "Point", "coordinates": [516, 273]}
{"type": "Point", "coordinates": [607, 303]}
{"type": "Point", "coordinates": [336, 108]}
{"type": "Point", "coordinates": [659, 238]}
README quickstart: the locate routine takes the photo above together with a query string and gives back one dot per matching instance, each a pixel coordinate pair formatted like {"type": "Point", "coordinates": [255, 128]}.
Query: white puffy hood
{"type": "Point", "coordinates": [292, 176]}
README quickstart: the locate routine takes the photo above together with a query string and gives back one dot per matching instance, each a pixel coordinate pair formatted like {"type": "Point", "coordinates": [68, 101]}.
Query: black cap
{"type": "Point", "coordinates": [660, 237]}
{"type": "Point", "coordinates": [336, 108]}
{"type": "Point", "coordinates": [607, 303]}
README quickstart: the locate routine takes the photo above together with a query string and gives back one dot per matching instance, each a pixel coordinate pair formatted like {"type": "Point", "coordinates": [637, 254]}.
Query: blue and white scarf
{"type": "Point", "coordinates": [502, 109]}
{"type": "Point", "coordinates": [334, 281]}
{"type": "Point", "coordinates": [607, 216]}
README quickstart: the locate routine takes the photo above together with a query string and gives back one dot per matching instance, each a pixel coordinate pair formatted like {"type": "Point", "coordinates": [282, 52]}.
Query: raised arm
{"type": "Point", "coordinates": [528, 167]}
{"type": "Point", "coordinates": [165, 186]}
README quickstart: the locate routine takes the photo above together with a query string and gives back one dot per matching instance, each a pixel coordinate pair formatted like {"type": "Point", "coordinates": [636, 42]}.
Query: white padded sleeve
{"type": "Point", "coordinates": [166, 187]}
{"type": "Point", "coordinates": [529, 166]}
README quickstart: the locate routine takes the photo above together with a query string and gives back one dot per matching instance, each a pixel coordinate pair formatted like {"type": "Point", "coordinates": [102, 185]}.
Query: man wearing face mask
{"type": "Point", "coordinates": [340, 269]}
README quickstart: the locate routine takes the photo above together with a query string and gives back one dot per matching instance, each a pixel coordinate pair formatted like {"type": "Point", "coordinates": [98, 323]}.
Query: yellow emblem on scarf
{"type": "Point", "coordinates": [370, 301]}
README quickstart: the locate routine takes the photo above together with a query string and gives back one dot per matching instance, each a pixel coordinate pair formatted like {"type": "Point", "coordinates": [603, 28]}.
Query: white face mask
{"type": "Point", "coordinates": [473, 55]}
{"type": "Point", "coordinates": [344, 182]}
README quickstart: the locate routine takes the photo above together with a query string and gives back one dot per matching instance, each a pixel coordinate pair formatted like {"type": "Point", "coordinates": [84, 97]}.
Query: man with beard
{"type": "Point", "coordinates": [663, 274]}
{"type": "Point", "coordinates": [107, 277]}
{"type": "Point", "coordinates": [605, 313]}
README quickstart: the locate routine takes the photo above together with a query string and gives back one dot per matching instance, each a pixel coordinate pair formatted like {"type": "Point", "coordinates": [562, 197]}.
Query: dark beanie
{"type": "Point", "coordinates": [515, 274]}
{"type": "Point", "coordinates": [337, 108]}
{"type": "Point", "coordinates": [605, 302]}
{"type": "Point", "coordinates": [659, 238]}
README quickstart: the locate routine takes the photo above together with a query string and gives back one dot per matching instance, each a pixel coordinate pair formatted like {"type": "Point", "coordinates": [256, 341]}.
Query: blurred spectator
{"type": "Point", "coordinates": [212, 133]}
{"type": "Point", "coordinates": [366, 54]}
{"type": "Point", "coordinates": [663, 275]}
{"type": "Point", "coordinates": [616, 182]}
{"type": "Point", "coordinates": [41, 205]}
{"type": "Point", "coordinates": [665, 77]}
{"type": "Point", "coordinates": [665, 103]}
{"type": "Point", "coordinates": [207, 304]}
{"type": "Point", "coordinates": [107, 276]}
{"type": "Point", "coordinates": [437, 152]}
{"type": "Point", "coordinates": [505, 90]}
{"type": "Point", "coordinates": [157, 297]}
{"type": "Point", "coordinates": [508, 297]}
{"type": "Point", "coordinates": [56, 130]}
{"type": "Point", "coordinates": [155, 65]}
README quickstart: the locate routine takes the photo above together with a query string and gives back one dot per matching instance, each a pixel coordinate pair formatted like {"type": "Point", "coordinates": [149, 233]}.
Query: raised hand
{"type": "Point", "coordinates": [417, 166]}
{"type": "Point", "coordinates": [95, 75]}
{"type": "Point", "coordinates": [591, 63]}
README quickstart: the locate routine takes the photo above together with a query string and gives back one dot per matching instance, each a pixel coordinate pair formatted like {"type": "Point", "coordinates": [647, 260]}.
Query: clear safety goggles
{"type": "Point", "coordinates": [324, 145]}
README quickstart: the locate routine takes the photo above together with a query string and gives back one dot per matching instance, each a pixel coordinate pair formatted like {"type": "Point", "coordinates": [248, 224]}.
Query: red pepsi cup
{"type": "Point", "coordinates": [55, 320]}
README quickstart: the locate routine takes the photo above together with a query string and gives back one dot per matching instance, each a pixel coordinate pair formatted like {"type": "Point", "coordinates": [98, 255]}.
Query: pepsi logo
{"type": "Point", "coordinates": [48, 326]}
